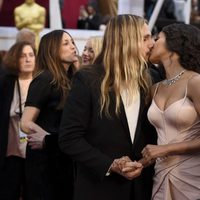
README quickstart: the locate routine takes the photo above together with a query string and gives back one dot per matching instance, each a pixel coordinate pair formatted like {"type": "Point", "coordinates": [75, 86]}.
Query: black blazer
{"type": "Point", "coordinates": [7, 83]}
{"type": "Point", "coordinates": [94, 142]}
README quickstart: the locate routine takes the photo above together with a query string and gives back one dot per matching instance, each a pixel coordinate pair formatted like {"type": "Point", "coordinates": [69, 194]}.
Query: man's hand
{"type": "Point", "coordinates": [127, 168]}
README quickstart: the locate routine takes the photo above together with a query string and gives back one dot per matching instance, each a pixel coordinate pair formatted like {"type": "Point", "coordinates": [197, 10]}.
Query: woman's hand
{"type": "Point", "coordinates": [152, 152]}
{"type": "Point", "coordinates": [36, 136]}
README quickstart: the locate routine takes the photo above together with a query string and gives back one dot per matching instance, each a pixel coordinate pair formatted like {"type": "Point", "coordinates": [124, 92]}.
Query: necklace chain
{"type": "Point", "coordinates": [174, 79]}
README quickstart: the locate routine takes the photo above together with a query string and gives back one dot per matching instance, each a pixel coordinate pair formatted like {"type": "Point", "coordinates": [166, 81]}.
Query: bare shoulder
{"type": "Point", "coordinates": [193, 85]}
{"type": "Point", "coordinates": [194, 80]}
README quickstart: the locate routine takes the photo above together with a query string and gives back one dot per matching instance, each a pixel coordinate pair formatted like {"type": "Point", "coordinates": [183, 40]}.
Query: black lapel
{"type": "Point", "coordinates": [124, 121]}
{"type": "Point", "coordinates": [140, 116]}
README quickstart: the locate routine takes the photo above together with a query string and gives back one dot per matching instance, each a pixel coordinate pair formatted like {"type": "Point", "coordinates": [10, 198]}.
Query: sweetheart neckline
{"type": "Point", "coordinates": [168, 107]}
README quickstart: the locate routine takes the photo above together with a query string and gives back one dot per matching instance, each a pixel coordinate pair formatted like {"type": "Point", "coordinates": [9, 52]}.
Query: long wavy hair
{"type": "Point", "coordinates": [48, 58]}
{"type": "Point", "coordinates": [123, 61]}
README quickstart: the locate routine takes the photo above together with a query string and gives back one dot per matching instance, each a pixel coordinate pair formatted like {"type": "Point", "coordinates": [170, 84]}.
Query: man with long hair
{"type": "Point", "coordinates": [104, 125]}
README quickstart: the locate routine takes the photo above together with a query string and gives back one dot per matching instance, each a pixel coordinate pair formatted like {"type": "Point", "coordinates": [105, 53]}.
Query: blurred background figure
{"type": "Point", "coordinates": [195, 15]}
{"type": "Point", "coordinates": [166, 15]}
{"type": "Point", "coordinates": [108, 7]}
{"type": "Point", "coordinates": [91, 50]}
{"type": "Point", "coordinates": [2, 54]}
{"type": "Point", "coordinates": [61, 4]}
{"type": "Point", "coordinates": [19, 63]}
{"type": "Point", "coordinates": [32, 16]}
{"type": "Point", "coordinates": [26, 34]}
{"type": "Point", "coordinates": [89, 18]}
{"type": "Point", "coordinates": [167, 11]}
{"type": "Point", "coordinates": [104, 21]}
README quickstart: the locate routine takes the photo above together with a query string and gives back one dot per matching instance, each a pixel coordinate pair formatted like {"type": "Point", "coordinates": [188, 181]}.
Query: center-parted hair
{"type": "Point", "coordinates": [48, 58]}
{"type": "Point", "coordinates": [123, 60]}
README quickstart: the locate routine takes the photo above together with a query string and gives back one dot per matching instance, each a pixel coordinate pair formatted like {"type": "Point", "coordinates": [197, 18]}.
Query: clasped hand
{"type": "Point", "coordinates": [126, 167]}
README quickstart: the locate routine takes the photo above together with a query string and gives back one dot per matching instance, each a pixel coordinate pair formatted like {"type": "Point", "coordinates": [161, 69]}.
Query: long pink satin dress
{"type": "Point", "coordinates": [176, 177]}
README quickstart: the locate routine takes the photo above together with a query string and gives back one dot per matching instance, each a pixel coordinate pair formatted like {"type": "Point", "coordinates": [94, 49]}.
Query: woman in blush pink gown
{"type": "Point", "coordinates": [175, 113]}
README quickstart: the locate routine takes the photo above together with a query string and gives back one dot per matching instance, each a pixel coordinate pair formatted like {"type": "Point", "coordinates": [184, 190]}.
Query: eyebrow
{"type": "Point", "coordinates": [147, 35]}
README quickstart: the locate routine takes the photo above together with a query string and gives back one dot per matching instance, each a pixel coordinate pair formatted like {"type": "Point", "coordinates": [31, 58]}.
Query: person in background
{"type": "Point", "coordinates": [167, 10]}
{"type": "Point", "coordinates": [175, 113]}
{"type": "Point", "coordinates": [89, 18]}
{"type": "Point", "coordinates": [104, 117]}
{"type": "Point", "coordinates": [61, 5]}
{"type": "Point", "coordinates": [104, 21]}
{"type": "Point", "coordinates": [2, 55]}
{"type": "Point", "coordinates": [49, 171]}
{"type": "Point", "coordinates": [26, 34]}
{"type": "Point", "coordinates": [91, 50]}
{"type": "Point", "coordinates": [19, 63]}
{"type": "Point", "coordinates": [195, 11]}
{"type": "Point", "coordinates": [166, 15]}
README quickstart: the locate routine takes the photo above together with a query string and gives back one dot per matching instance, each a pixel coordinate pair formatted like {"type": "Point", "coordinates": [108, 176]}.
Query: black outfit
{"type": "Point", "coordinates": [157, 73]}
{"type": "Point", "coordinates": [49, 171]}
{"type": "Point", "coordinates": [2, 71]}
{"type": "Point", "coordinates": [166, 16]}
{"type": "Point", "coordinates": [94, 141]}
{"type": "Point", "coordinates": [12, 170]}
{"type": "Point", "coordinates": [90, 23]}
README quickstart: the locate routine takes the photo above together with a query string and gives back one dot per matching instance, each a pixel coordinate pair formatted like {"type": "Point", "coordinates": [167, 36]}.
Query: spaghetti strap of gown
{"type": "Point", "coordinates": [176, 177]}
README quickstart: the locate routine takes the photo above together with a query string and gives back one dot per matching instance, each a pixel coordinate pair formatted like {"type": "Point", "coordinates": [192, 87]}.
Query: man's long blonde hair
{"type": "Point", "coordinates": [123, 61]}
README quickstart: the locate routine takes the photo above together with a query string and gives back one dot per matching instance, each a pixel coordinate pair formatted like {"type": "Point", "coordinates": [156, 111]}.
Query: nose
{"type": "Point", "coordinates": [28, 58]}
{"type": "Point", "coordinates": [85, 52]}
{"type": "Point", "coordinates": [72, 45]}
{"type": "Point", "coordinates": [152, 42]}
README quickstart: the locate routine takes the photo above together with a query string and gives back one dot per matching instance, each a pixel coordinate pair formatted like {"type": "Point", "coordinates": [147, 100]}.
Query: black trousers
{"type": "Point", "coordinates": [12, 178]}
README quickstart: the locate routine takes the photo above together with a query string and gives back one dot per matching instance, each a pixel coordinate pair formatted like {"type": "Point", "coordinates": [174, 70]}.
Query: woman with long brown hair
{"type": "Point", "coordinates": [49, 172]}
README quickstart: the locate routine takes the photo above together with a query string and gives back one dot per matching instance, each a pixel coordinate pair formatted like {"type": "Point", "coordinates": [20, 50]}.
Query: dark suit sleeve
{"type": "Point", "coordinates": [74, 126]}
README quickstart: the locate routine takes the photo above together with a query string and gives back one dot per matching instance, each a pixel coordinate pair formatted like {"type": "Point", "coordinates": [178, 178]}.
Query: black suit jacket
{"type": "Point", "coordinates": [94, 141]}
{"type": "Point", "coordinates": [7, 83]}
